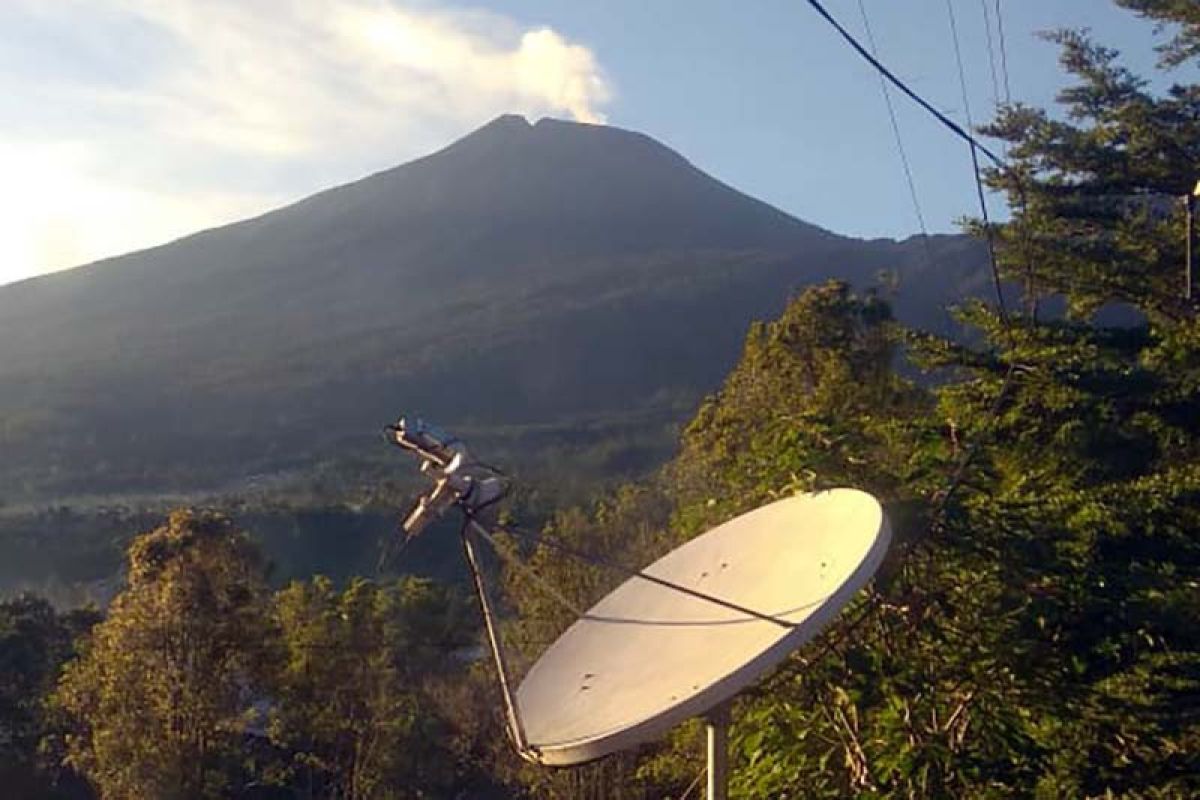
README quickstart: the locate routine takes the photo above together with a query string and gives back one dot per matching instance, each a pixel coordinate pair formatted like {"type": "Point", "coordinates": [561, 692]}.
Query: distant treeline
{"type": "Point", "coordinates": [199, 681]}
{"type": "Point", "coordinates": [332, 522]}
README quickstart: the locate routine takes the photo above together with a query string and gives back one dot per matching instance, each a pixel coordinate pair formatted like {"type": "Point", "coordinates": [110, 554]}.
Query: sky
{"type": "Point", "coordinates": [128, 123]}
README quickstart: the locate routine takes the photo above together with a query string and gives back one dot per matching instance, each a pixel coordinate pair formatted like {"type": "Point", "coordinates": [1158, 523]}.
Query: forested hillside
{"type": "Point", "coordinates": [560, 294]}
{"type": "Point", "coordinates": [1034, 632]}
{"type": "Point", "coordinates": [542, 288]}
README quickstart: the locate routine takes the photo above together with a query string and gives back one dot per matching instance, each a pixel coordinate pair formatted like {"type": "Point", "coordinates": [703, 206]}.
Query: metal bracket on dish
{"type": "Point", "coordinates": [457, 479]}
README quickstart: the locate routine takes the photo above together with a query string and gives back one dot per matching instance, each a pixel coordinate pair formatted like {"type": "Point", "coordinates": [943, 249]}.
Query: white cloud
{"type": "Point", "coordinates": [130, 122]}
{"type": "Point", "coordinates": [56, 212]}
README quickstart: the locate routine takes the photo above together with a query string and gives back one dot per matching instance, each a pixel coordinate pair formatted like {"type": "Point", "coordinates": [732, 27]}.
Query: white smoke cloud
{"type": "Point", "coordinates": [131, 122]}
{"type": "Point", "coordinates": [538, 72]}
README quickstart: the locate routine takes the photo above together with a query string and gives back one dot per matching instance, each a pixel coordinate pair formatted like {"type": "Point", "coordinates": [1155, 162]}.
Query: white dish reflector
{"type": "Point", "coordinates": [647, 657]}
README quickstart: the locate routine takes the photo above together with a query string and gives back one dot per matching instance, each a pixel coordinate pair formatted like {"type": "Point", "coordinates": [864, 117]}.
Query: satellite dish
{"type": "Point", "coordinates": [680, 638]}
{"type": "Point", "coordinates": [647, 656]}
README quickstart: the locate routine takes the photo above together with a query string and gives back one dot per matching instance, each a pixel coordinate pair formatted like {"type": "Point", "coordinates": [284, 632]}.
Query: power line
{"type": "Point", "coordinates": [987, 26]}
{"type": "Point", "coordinates": [1007, 385]}
{"type": "Point", "coordinates": [887, 99]}
{"type": "Point", "coordinates": [958, 59]}
{"type": "Point", "coordinates": [1003, 52]}
{"type": "Point", "coordinates": [975, 147]}
{"type": "Point", "coordinates": [950, 124]}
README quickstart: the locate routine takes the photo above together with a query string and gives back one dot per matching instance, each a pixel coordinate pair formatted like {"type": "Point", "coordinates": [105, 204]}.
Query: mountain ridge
{"type": "Point", "coordinates": [573, 271]}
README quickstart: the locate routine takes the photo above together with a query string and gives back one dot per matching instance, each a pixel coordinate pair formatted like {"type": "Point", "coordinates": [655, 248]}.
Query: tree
{"type": "Point", "coordinates": [1185, 44]}
{"type": "Point", "coordinates": [1096, 471]}
{"type": "Point", "coordinates": [163, 693]}
{"type": "Point", "coordinates": [35, 641]}
{"type": "Point", "coordinates": [1036, 629]}
{"type": "Point", "coordinates": [813, 402]}
{"type": "Point", "coordinates": [349, 698]}
{"type": "Point", "coordinates": [1039, 635]}
{"type": "Point", "coordinates": [896, 699]}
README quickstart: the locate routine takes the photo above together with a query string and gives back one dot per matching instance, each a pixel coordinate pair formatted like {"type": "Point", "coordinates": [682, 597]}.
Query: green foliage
{"type": "Point", "coordinates": [1035, 631]}
{"type": "Point", "coordinates": [1094, 481]}
{"type": "Point", "coordinates": [813, 402]}
{"type": "Point", "coordinates": [198, 681]}
{"type": "Point", "coordinates": [161, 697]}
{"type": "Point", "coordinates": [35, 641]}
{"type": "Point", "coordinates": [349, 697]}
{"type": "Point", "coordinates": [1185, 44]}
{"type": "Point", "coordinates": [909, 694]}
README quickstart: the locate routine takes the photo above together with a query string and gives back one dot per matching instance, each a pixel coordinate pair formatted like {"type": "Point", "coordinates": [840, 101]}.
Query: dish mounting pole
{"type": "Point", "coordinates": [489, 619]}
{"type": "Point", "coordinates": [717, 723]}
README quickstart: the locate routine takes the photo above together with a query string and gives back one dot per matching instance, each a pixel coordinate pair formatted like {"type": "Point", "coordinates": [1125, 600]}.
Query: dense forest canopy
{"type": "Point", "coordinates": [1035, 630]}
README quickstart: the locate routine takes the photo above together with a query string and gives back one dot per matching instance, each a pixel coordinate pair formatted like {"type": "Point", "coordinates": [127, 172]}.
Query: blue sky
{"type": "Point", "coordinates": [125, 123]}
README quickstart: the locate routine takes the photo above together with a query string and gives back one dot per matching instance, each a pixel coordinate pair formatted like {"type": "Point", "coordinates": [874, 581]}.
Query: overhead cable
{"type": "Point", "coordinates": [987, 26]}
{"type": "Point", "coordinates": [1003, 53]}
{"type": "Point", "coordinates": [958, 59]}
{"type": "Point", "coordinates": [950, 124]}
{"type": "Point", "coordinates": [975, 147]}
{"type": "Point", "coordinates": [887, 99]}
{"type": "Point", "coordinates": [958, 475]}
{"type": "Point", "coordinates": [628, 572]}
{"type": "Point", "coordinates": [530, 573]}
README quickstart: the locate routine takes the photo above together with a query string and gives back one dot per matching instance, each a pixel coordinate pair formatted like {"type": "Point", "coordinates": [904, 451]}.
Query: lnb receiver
{"type": "Point", "coordinates": [458, 480]}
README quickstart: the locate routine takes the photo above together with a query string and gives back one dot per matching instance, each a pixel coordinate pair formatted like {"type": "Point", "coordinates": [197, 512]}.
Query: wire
{"type": "Point", "coordinates": [687, 793]}
{"type": "Point", "coordinates": [990, 236]}
{"type": "Point", "coordinates": [950, 124]}
{"type": "Point", "coordinates": [524, 569]}
{"type": "Point", "coordinates": [390, 554]}
{"type": "Point", "coordinates": [943, 499]}
{"type": "Point", "coordinates": [908, 175]}
{"type": "Point", "coordinates": [628, 572]}
{"type": "Point", "coordinates": [975, 148]}
{"type": "Point", "coordinates": [962, 74]}
{"type": "Point", "coordinates": [987, 26]}
{"type": "Point", "coordinates": [1003, 53]}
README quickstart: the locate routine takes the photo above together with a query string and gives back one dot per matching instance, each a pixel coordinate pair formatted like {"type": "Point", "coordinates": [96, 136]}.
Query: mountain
{"type": "Point", "coordinates": [544, 285]}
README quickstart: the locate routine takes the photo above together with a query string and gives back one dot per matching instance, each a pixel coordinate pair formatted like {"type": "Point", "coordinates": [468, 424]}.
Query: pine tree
{"type": "Point", "coordinates": [1094, 475]}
